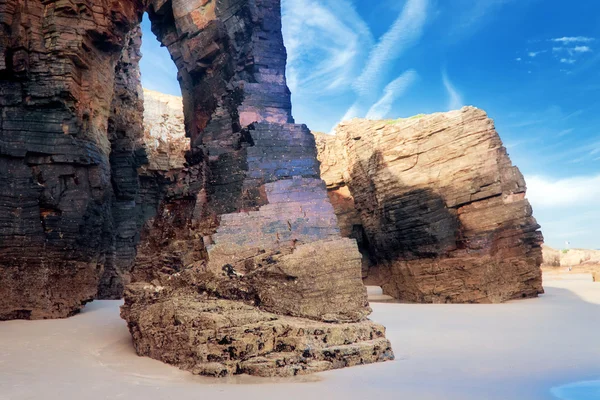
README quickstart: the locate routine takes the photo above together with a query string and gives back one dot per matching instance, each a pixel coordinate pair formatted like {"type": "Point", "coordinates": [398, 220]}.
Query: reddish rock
{"type": "Point", "coordinates": [442, 209]}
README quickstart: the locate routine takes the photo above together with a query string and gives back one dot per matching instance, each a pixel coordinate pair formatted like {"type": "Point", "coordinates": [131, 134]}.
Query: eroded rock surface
{"type": "Point", "coordinates": [441, 210]}
{"type": "Point", "coordinates": [245, 241]}
{"type": "Point", "coordinates": [60, 66]}
{"type": "Point", "coordinates": [232, 233]}
{"type": "Point", "coordinates": [209, 335]}
{"type": "Point", "coordinates": [570, 257]}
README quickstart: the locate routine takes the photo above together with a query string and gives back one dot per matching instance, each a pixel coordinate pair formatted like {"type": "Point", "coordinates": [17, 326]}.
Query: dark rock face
{"type": "Point", "coordinates": [127, 155]}
{"type": "Point", "coordinates": [233, 235]}
{"type": "Point", "coordinates": [57, 81]}
{"type": "Point", "coordinates": [442, 210]}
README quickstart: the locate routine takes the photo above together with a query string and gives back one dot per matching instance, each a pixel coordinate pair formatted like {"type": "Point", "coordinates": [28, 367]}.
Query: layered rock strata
{"type": "Point", "coordinates": [60, 65]}
{"type": "Point", "coordinates": [212, 336]}
{"type": "Point", "coordinates": [441, 209]}
{"type": "Point", "coordinates": [243, 267]}
{"type": "Point", "coordinates": [239, 266]}
{"type": "Point", "coordinates": [570, 257]}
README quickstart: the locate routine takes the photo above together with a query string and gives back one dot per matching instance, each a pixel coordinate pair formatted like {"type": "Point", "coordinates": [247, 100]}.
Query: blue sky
{"type": "Point", "coordinates": [533, 65]}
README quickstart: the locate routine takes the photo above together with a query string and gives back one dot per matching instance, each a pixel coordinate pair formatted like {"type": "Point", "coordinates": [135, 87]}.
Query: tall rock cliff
{"type": "Point", "coordinates": [440, 208]}
{"type": "Point", "coordinates": [60, 65]}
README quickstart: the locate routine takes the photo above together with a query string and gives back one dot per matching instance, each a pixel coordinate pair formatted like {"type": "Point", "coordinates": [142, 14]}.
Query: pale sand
{"type": "Point", "coordinates": [511, 351]}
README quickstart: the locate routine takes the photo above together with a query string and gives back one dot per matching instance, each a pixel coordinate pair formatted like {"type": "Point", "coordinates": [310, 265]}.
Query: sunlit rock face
{"type": "Point", "coordinates": [164, 132]}
{"type": "Point", "coordinates": [438, 208]}
{"type": "Point", "coordinates": [227, 248]}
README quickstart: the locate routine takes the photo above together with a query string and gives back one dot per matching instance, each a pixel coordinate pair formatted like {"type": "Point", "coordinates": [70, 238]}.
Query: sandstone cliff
{"type": "Point", "coordinates": [441, 210]}
{"type": "Point", "coordinates": [570, 257]}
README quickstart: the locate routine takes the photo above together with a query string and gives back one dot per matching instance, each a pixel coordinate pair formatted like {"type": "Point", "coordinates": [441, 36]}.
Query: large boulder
{"type": "Point", "coordinates": [440, 208]}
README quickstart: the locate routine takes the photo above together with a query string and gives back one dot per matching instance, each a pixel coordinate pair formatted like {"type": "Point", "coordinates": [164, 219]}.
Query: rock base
{"type": "Point", "coordinates": [216, 337]}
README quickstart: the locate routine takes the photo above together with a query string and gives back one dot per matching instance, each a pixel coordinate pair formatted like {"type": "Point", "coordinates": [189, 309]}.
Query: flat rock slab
{"type": "Point", "coordinates": [216, 337]}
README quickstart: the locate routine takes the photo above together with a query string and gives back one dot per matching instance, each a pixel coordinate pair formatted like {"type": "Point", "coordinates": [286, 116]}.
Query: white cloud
{"type": "Point", "coordinates": [404, 33]}
{"type": "Point", "coordinates": [570, 192]}
{"type": "Point", "coordinates": [326, 43]}
{"type": "Point", "coordinates": [455, 101]}
{"type": "Point", "coordinates": [353, 112]}
{"type": "Point", "coordinates": [567, 209]}
{"type": "Point", "coordinates": [567, 60]}
{"type": "Point", "coordinates": [392, 92]}
{"type": "Point", "coordinates": [518, 59]}
{"type": "Point", "coordinates": [468, 16]}
{"type": "Point", "coordinates": [573, 39]}
{"type": "Point", "coordinates": [582, 49]}
{"type": "Point", "coordinates": [534, 54]}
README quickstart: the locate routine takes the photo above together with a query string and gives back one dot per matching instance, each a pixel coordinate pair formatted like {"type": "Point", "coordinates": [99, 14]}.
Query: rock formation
{"type": "Point", "coordinates": [243, 267]}
{"type": "Point", "coordinates": [570, 257]}
{"type": "Point", "coordinates": [550, 257]}
{"type": "Point", "coordinates": [61, 63]}
{"type": "Point", "coordinates": [238, 263]}
{"type": "Point", "coordinates": [437, 206]}
{"type": "Point", "coordinates": [226, 242]}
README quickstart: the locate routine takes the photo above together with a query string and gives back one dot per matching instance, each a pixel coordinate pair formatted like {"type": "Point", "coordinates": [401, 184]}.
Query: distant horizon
{"type": "Point", "coordinates": [539, 81]}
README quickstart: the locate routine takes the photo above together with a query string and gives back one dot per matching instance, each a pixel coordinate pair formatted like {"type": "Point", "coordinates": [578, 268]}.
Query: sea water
{"type": "Point", "coordinates": [586, 390]}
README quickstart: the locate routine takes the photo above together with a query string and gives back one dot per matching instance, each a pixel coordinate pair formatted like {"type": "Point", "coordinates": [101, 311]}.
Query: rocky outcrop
{"type": "Point", "coordinates": [550, 257]}
{"type": "Point", "coordinates": [238, 264]}
{"type": "Point", "coordinates": [243, 267]}
{"type": "Point", "coordinates": [127, 155]}
{"type": "Point", "coordinates": [145, 159]}
{"type": "Point", "coordinates": [441, 209]}
{"type": "Point", "coordinates": [570, 257]}
{"type": "Point", "coordinates": [209, 335]}
{"type": "Point", "coordinates": [164, 133]}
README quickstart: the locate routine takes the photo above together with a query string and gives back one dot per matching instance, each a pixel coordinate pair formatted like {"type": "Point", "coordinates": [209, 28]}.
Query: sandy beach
{"type": "Point", "coordinates": [518, 350]}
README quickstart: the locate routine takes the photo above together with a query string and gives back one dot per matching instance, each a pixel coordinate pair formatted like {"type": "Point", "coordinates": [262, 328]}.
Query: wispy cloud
{"type": "Point", "coordinates": [455, 101]}
{"type": "Point", "coordinates": [565, 132]}
{"type": "Point", "coordinates": [534, 54]}
{"type": "Point", "coordinates": [331, 52]}
{"type": "Point", "coordinates": [469, 16]}
{"type": "Point", "coordinates": [582, 49]}
{"type": "Point", "coordinates": [568, 60]}
{"type": "Point", "coordinates": [395, 89]}
{"type": "Point", "coordinates": [404, 33]}
{"type": "Point", "coordinates": [355, 111]}
{"type": "Point", "coordinates": [326, 44]}
{"type": "Point", "coordinates": [572, 51]}
{"type": "Point", "coordinates": [573, 39]}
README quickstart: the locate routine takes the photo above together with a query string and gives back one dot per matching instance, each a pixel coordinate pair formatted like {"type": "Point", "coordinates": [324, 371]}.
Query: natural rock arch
{"type": "Point", "coordinates": [72, 120]}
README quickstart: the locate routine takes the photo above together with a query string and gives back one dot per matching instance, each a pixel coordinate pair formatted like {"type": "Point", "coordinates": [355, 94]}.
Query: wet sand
{"type": "Point", "coordinates": [518, 350]}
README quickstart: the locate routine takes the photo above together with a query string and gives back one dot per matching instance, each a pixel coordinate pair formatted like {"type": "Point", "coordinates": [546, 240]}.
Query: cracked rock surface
{"type": "Point", "coordinates": [437, 207]}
